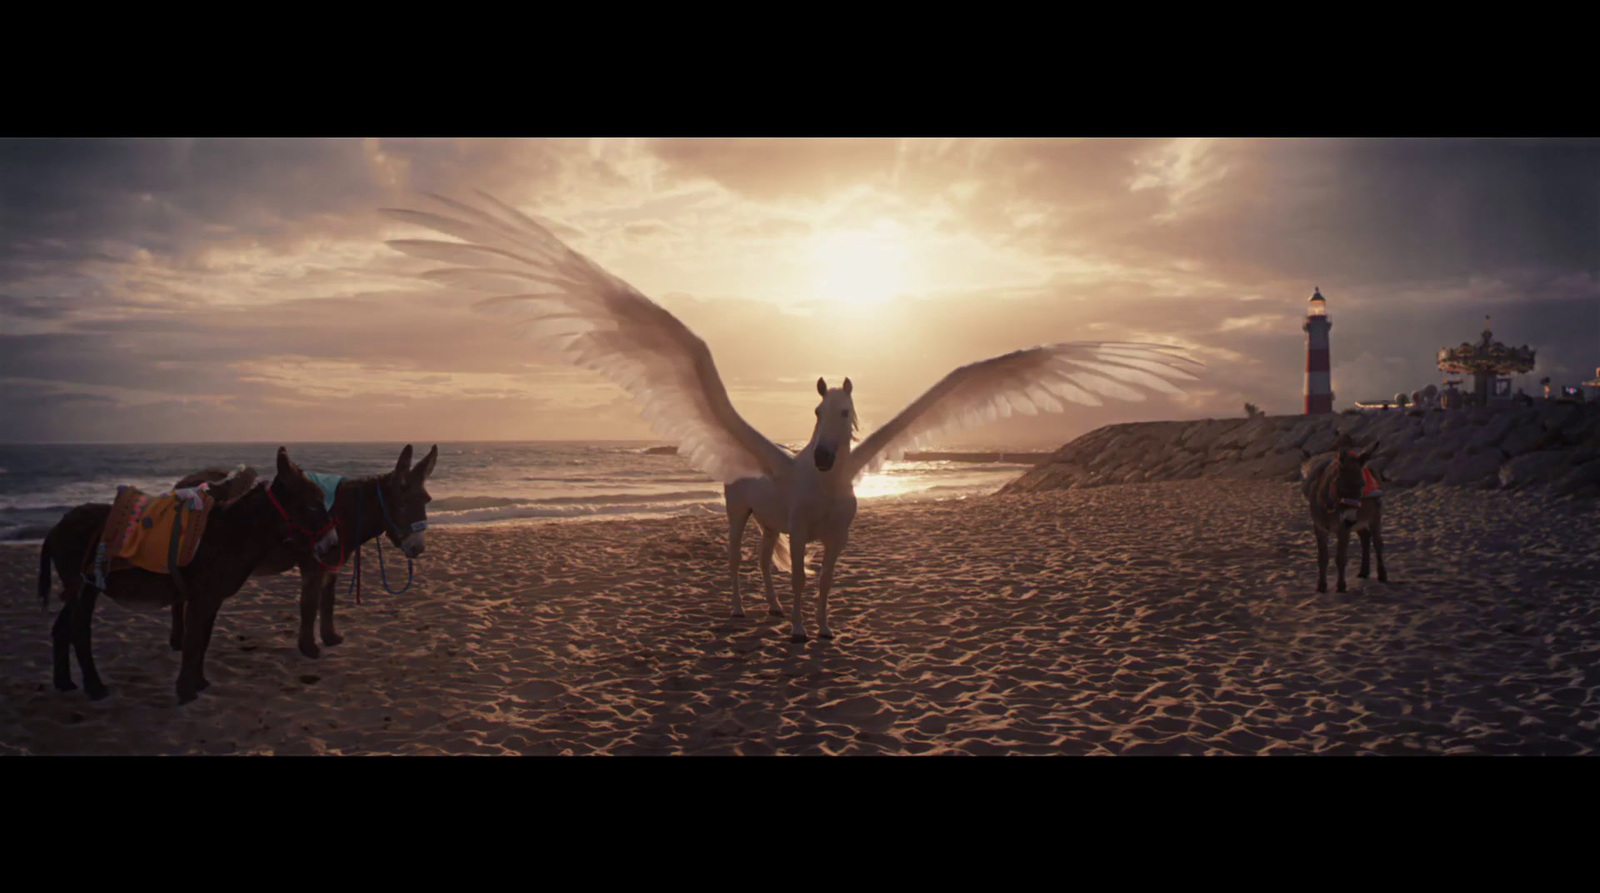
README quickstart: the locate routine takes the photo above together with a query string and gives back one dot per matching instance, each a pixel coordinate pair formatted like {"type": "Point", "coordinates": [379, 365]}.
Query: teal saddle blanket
{"type": "Point", "coordinates": [329, 484]}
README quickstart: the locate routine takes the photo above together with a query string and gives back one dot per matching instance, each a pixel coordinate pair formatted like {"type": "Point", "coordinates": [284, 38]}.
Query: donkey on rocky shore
{"type": "Point", "coordinates": [1344, 496]}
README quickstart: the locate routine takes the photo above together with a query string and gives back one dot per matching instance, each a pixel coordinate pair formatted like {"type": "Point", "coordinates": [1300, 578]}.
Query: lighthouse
{"type": "Point", "coordinates": [1319, 382]}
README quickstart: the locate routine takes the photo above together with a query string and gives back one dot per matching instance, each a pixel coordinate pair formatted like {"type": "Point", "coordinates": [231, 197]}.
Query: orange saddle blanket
{"type": "Point", "coordinates": [141, 528]}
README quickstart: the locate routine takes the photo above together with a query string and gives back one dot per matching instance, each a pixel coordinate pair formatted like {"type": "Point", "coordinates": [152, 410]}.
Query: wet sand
{"type": "Point", "coordinates": [1175, 618]}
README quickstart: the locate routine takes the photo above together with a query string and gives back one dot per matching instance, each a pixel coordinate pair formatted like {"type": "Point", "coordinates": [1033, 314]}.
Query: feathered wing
{"type": "Point", "coordinates": [1039, 379]}
{"type": "Point", "coordinates": [571, 306]}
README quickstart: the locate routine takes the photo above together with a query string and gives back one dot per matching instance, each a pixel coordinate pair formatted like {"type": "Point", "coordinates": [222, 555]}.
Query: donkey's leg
{"type": "Point", "coordinates": [1377, 547]}
{"type": "Point", "coordinates": [830, 555]}
{"type": "Point", "coordinates": [1343, 551]}
{"type": "Point", "coordinates": [201, 617]}
{"type": "Point", "coordinates": [330, 584]}
{"type": "Point", "coordinates": [175, 637]}
{"type": "Point", "coordinates": [797, 579]}
{"type": "Point", "coordinates": [61, 646]}
{"type": "Point", "coordinates": [82, 617]}
{"type": "Point", "coordinates": [769, 543]}
{"type": "Point", "coordinates": [738, 516]}
{"type": "Point", "coordinates": [1366, 548]}
{"type": "Point", "coordinates": [310, 593]}
{"type": "Point", "coordinates": [1322, 559]}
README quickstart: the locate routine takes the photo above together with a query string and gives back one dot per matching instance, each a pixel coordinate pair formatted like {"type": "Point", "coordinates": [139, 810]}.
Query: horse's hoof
{"type": "Point", "coordinates": [66, 685]}
{"type": "Point", "coordinates": [310, 649]}
{"type": "Point", "coordinates": [96, 692]}
{"type": "Point", "coordinates": [331, 639]}
{"type": "Point", "coordinates": [799, 637]}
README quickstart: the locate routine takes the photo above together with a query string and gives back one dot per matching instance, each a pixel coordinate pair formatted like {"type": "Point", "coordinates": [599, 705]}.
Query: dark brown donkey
{"type": "Point", "coordinates": [1344, 496]}
{"type": "Point", "coordinates": [392, 505]}
{"type": "Point", "coordinates": [238, 535]}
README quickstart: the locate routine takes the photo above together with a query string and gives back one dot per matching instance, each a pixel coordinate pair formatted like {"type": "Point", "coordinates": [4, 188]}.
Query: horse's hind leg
{"type": "Point", "coordinates": [738, 516]}
{"type": "Point", "coordinates": [61, 646]}
{"type": "Point", "coordinates": [310, 594]}
{"type": "Point", "coordinates": [1366, 549]}
{"type": "Point", "coordinates": [330, 636]}
{"type": "Point", "coordinates": [82, 618]}
{"type": "Point", "coordinates": [769, 543]}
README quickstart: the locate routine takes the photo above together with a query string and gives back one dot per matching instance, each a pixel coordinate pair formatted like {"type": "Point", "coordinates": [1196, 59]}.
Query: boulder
{"type": "Point", "coordinates": [1473, 470]}
{"type": "Point", "coordinates": [1532, 469]}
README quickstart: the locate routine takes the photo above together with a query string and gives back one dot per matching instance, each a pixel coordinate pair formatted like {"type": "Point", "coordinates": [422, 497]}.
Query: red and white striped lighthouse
{"type": "Point", "coordinates": [1319, 380]}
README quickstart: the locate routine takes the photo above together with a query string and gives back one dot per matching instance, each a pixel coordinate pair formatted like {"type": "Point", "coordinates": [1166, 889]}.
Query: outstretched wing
{"type": "Point", "coordinates": [1039, 379]}
{"type": "Point", "coordinates": [570, 306]}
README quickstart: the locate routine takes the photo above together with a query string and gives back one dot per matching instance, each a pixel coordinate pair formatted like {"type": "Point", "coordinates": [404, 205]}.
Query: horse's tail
{"type": "Point", "coordinates": [780, 553]}
{"type": "Point", "coordinates": [44, 572]}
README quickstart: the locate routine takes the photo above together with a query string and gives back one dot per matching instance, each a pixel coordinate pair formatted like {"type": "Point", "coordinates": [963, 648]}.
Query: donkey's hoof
{"type": "Point", "coordinates": [1340, 588]}
{"type": "Point", "coordinates": [799, 637]}
{"type": "Point", "coordinates": [96, 692]}
{"type": "Point", "coordinates": [203, 684]}
{"type": "Point", "coordinates": [310, 649]}
{"type": "Point", "coordinates": [176, 642]}
{"type": "Point", "coordinates": [825, 634]}
{"type": "Point", "coordinates": [1362, 576]}
{"type": "Point", "coordinates": [776, 612]}
{"type": "Point", "coordinates": [185, 697]}
{"type": "Point", "coordinates": [737, 615]}
{"type": "Point", "coordinates": [66, 685]}
{"type": "Point", "coordinates": [1322, 587]}
{"type": "Point", "coordinates": [1383, 577]}
{"type": "Point", "coordinates": [332, 639]}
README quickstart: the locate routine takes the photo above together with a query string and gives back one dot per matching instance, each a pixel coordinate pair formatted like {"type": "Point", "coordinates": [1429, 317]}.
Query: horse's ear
{"type": "Point", "coordinates": [404, 465]}
{"type": "Point", "coordinates": [425, 467]}
{"type": "Point", "coordinates": [285, 467]}
{"type": "Point", "coordinates": [822, 386]}
{"type": "Point", "coordinates": [847, 385]}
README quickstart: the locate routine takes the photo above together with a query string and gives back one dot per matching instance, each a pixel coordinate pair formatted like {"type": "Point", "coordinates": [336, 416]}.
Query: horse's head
{"type": "Point", "coordinates": [836, 424]}
{"type": "Point", "coordinates": [404, 499]}
{"type": "Point", "coordinates": [302, 516]}
{"type": "Point", "coordinates": [1349, 482]}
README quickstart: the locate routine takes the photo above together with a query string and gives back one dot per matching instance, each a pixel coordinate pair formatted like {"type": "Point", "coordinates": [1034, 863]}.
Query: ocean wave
{"type": "Point", "coordinates": [569, 511]}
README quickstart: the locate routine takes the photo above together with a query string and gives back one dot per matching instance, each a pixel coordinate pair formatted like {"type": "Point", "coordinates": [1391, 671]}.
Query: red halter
{"type": "Point", "coordinates": [310, 537]}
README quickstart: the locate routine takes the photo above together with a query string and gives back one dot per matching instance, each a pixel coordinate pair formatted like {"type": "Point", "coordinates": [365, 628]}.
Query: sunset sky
{"type": "Point", "coordinates": [240, 290]}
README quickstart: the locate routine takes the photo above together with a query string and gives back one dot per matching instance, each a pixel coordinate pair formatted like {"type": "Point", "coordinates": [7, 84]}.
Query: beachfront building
{"type": "Point", "coordinates": [1319, 378]}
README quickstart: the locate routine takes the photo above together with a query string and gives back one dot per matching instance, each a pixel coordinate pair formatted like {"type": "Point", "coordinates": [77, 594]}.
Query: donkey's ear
{"type": "Point", "coordinates": [425, 467]}
{"type": "Point", "coordinates": [847, 385]}
{"type": "Point", "coordinates": [822, 387]}
{"type": "Point", "coordinates": [285, 467]}
{"type": "Point", "coordinates": [1369, 452]}
{"type": "Point", "coordinates": [404, 465]}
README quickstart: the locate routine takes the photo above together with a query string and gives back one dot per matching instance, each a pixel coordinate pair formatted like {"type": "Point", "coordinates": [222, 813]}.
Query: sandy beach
{"type": "Point", "coordinates": [1170, 618]}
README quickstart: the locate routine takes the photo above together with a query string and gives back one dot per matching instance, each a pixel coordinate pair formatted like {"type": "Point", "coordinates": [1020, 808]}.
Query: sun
{"type": "Point", "coordinates": [859, 267]}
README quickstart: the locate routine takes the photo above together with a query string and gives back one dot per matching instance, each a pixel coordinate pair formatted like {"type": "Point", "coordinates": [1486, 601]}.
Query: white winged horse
{"type": "Point", "coordinates": [573, 307]}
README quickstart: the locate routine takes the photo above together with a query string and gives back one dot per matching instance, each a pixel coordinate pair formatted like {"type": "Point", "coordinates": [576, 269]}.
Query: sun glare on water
{"type": "Point", "coordinates": [859, 267]}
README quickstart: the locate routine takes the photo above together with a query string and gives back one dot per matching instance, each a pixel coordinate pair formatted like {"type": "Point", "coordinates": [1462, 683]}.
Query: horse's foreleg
{"type": "Point", "coordinates": [1343, 552]}
{"type": "Point", "coordinates": [830, 556]}
{"type": "Point", "coordinates": [1322, 559]}
{"type": "Point", "coordinates": [330, 585]}
{"type": "Point", "coordinates": [61, 646]}
{"type": "Point", "coordinates": [797, 579]}
{"type": "Point", "coordinates": [769, 543]}
{"type": "Point", "coordinates": [82, 617]}
{"type": "Point", "coordinates": [736, 521]}
{"type": "Point", "coordinates": [309, 592]}
{"type": "Point", "coordinates": [1366, 548]}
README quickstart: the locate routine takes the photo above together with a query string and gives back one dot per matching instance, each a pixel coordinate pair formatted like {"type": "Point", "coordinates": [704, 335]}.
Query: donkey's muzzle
{"type": "Point", "coordinates": [824, 459]}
